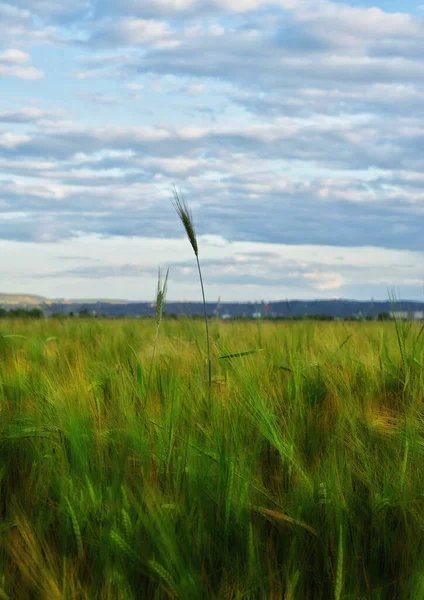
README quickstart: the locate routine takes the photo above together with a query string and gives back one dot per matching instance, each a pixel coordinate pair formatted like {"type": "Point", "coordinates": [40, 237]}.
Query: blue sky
{"type": "Point", "coordinates": [294, 129]}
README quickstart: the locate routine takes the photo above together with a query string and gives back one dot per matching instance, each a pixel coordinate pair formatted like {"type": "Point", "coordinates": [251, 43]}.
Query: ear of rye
{"type": "Point", "coordinates": [161, 296]}
{"type": "Point", "coordinates": [186, 219]}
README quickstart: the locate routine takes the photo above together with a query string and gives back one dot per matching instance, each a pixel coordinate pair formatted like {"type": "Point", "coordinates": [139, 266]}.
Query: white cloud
{"type": "Point", "coordinates": [134, 87]}
{"type": "Point", "coordinates": [193, 89]}
{"type": "Point", "coordinates": [362, 22]}
{"type": "Point", "coordinates": [325, 281]}
{"type": "Point", "coordinates": [26, 165]}
{"type": "Point", "coordinates": [177, 165]}
{"type": "Point", "coordinates": [102, 99]}
{"type": "Point", "coordinates": [240, 6]}
{"type": "Point", "coordinates": [15, 57]}
{"type": "Point", "coordinates": [20, 27]}
{"type": "Point", "coordinates": [130, 31]}
{"type": "Point", "coordinates": [11, 140]}
{"type": "Point", "coordinates": [30, 114]}
{"type": "Point", "coordinates": [14, 63]}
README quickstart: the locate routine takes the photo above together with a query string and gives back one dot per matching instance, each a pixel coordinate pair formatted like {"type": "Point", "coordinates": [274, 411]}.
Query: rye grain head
{"type": "Point", "coordinates": [161, 295]}
{"type": "Point", "coordinates": [186, 219]}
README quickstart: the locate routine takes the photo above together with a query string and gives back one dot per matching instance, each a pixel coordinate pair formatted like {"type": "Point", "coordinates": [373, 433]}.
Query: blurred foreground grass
{"type": "Point", "coordinates": [299, 477]}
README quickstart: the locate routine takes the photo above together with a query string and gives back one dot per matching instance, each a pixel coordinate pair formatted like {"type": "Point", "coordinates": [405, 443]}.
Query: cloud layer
{"type": "Point", "coordinates": [286, 122]}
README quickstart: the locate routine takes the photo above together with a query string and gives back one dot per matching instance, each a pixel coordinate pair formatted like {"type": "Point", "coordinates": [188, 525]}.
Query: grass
{"type": "Point", "coordinates": [303, 479]}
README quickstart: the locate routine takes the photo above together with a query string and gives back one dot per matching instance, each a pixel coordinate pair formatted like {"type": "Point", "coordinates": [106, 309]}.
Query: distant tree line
{"type": "Point", "coordinates": [21, 313]}
{"type": "Point", "coordinates": [37, 313]}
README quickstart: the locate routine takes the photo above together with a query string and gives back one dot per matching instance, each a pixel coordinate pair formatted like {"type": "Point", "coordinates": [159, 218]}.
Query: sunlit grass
{"type": "Point", "coordinates": [303, 479]}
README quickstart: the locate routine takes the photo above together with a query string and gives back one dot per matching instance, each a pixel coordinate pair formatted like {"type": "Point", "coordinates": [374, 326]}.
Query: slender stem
{"type": "Point", "coordinates": [153, 357]}
{"type": "Point", "coordinates": [206, 324]}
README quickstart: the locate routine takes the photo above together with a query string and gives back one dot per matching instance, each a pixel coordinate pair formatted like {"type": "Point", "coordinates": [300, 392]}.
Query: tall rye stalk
{"type": "Point", "coordinates": [160, 301]}
{"type": "Point", "coordinates": [187, 220]}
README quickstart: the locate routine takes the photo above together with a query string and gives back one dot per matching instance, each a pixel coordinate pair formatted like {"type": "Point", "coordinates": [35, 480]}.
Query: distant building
{"type": "Point", "coordinates": [257, 315]}
{"type": "Point", "coordinates": [403, 315]}
{"type": "Point", "coordinates": [226, 316]}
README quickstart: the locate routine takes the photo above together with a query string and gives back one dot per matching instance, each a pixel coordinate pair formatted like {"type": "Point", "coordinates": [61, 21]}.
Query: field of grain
{"type": "Point", "coordinates": [297, 475]}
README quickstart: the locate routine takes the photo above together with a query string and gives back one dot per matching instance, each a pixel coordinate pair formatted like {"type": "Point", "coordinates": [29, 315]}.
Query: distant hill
{"type": "Point", "coordinates": [21, 300]}
{"type": "Point", "coordinates": [288, 309]}
{"type": "Point", "coordinates": [283, 309]}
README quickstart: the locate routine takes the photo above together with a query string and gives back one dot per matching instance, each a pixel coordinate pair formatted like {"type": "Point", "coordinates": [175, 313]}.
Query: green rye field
{"type": "Point", "coordinates": [297, 475]}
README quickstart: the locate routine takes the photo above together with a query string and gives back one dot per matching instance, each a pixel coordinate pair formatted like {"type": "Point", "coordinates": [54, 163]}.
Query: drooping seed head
{"type": "Point", "coordinates": [186, 219]}
{"type": "Point", "coordinates": [160, 296]}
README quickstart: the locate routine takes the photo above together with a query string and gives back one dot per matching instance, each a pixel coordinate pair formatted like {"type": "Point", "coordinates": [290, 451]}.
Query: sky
{"type": "Point", "coordinates": [293, 128]}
